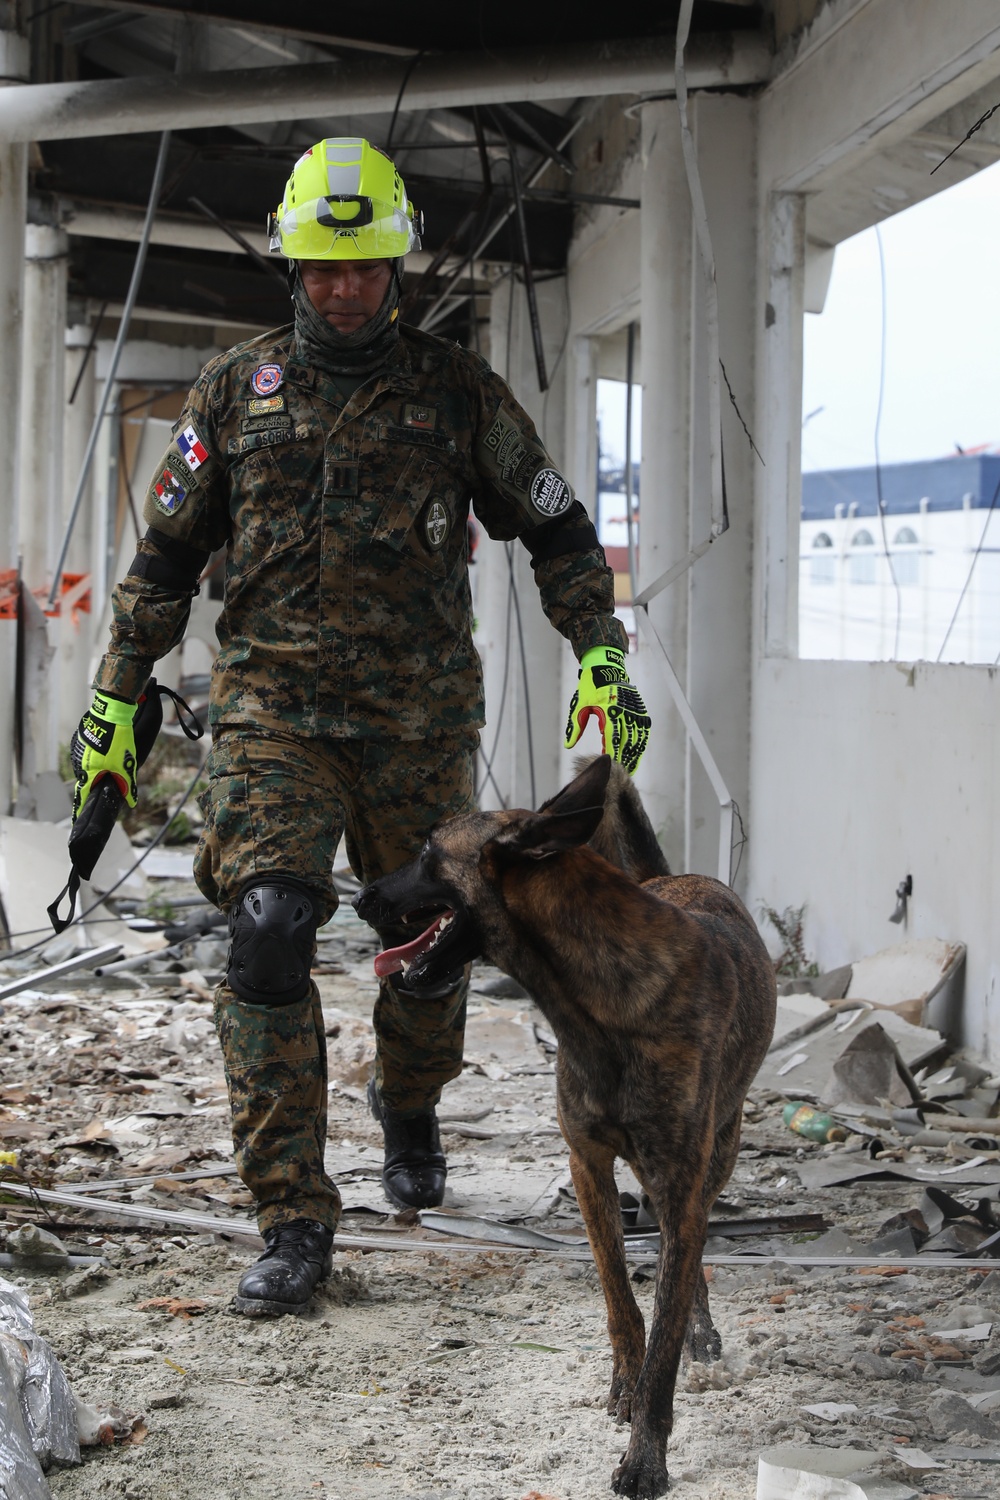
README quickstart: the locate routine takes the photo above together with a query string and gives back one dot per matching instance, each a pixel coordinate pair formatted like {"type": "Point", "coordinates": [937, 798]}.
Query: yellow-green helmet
{"type": "Point", "coordinates": [344, 201]}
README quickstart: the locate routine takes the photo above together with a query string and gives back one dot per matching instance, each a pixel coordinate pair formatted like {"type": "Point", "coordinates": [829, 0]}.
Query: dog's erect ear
{"type": "Point", "coordinates": [587, 790]}
{"type": "Point", "coordinates": [568, 819]}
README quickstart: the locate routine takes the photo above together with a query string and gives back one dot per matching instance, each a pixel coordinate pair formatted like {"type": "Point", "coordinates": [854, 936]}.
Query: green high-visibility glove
{"type": "Point", "coordinates": [604, 691]}
{"type": "Point", "coordinates": [103, 744]}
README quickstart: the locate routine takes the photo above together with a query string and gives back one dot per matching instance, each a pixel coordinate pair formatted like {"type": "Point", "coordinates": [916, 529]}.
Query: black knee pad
{"type": "Point", "coordinates": [272, 932]}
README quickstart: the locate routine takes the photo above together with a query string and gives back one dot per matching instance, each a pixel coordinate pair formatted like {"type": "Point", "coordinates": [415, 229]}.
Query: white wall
{"type": "Point", "coordinates": [863, 773]}
{"type": "Point", "coordinates": [860, 773]}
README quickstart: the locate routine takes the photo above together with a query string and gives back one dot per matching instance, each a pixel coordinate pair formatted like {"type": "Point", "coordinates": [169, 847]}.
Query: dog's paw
{"type": "Point", "coordinates": [641, 1478]}
{"type": "Point", "coordinates": [702, 1345]}
{"type": "Point", "coordinates": [620, 1406]}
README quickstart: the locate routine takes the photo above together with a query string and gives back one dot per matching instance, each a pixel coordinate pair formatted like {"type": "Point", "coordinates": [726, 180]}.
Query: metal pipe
{"type": "Point", "coordinates": [116, 354]}
{"type": "Point", "coordinates": [633, 570]}
{"type": "Point", "coordinates": [129, 106]}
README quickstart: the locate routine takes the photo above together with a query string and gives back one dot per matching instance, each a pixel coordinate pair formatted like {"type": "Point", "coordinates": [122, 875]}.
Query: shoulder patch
{"type": "Point", "coordinates": [168, 490]}
{"type": "Point", "coordinates": [191, 448]}
{"type": "Point", "coordinates": [550, 493]}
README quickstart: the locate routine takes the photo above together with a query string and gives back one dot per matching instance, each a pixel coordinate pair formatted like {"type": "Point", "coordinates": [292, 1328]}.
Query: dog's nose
{"type": "Point", "coordinates": [366, 903]}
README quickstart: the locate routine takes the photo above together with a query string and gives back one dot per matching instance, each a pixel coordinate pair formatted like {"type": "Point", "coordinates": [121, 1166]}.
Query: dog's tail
{"type": "Point", "coordinates": [625, 835]}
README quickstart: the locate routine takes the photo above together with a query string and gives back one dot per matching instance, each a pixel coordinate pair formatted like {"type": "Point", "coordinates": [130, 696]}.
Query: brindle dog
{"type": "Point", "coordinates": [662, 997]}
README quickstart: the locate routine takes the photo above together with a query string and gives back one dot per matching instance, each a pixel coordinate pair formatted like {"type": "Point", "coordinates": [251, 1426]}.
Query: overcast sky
{"type": "Point", "coordinates": [942, 347]}
{"type": "Point", "coordinates": [942, 355]}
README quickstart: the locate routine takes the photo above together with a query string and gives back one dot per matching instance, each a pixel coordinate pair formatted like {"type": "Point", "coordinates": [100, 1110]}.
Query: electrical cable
{"type": "Point", "coordinates": [411, 65]}
{"type": "Point", "coordinates": [972, 568]}
{"type": "Point", "coordinates": [524, 674]}
{"type": "Point", "coordinates": [878, 457]}
{"type": "Point", "coordinates": [488, 760]}
{"type": "Point", "coordinates": [44, 942]}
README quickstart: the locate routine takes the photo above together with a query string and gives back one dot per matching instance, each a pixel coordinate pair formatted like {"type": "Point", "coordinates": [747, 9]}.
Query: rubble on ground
{"type": "Point", "coordinates": [847, 1276]}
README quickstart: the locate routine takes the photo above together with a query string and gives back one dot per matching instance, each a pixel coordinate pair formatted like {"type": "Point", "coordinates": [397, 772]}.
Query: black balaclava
{"type": "Point", "coordinates": [363, 352]}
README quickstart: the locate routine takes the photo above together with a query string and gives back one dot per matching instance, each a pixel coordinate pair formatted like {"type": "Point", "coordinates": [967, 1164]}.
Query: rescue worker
{"type": "Point", "coordinates": [336, 459]}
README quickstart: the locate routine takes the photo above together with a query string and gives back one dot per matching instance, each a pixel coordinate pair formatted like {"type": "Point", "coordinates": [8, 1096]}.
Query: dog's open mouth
{"type": "Point", "coordinates": [394, 960]}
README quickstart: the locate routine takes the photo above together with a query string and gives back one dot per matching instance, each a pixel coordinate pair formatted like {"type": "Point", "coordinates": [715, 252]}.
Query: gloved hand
{"type": "Point", "coordinates": [103, 744]}
{"type": "Point", "coordinates": [603, 689]}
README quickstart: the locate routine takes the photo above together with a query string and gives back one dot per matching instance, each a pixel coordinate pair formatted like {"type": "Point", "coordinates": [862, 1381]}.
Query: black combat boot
{"type": "Point", "coordinates": [298, 1256]}
{"type": "Point", "coordinates": [415, 1169]}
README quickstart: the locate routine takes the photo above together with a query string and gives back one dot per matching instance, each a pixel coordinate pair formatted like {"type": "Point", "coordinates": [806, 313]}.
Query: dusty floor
{"type": "Point", "coordinates": [479, 1375]}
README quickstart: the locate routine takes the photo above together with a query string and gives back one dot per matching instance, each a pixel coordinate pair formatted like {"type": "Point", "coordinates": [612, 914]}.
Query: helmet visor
{"type": "Point", "coordinates": [343, 227]}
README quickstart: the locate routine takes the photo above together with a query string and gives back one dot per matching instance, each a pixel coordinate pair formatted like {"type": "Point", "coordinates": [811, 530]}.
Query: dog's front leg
{"type": "Point", "coordinates": [642, 1473]}
{"type": "Point", "coordinates": [592, 1168]}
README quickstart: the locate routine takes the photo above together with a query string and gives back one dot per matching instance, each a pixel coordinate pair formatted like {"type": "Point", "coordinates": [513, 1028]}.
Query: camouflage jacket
{"type": "Point", "coordinates": [347, 607]}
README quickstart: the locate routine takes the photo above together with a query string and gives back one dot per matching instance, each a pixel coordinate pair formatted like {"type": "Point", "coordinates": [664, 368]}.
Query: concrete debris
{"type": "Point", "coordinates": [870, 1070]}
{"type": "Point", "coordinates": [36, 1249]}
{"type": "Point", "coordinates": [839, 1325]}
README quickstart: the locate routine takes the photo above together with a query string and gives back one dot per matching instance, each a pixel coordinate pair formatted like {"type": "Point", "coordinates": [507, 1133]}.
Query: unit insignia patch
{"type": "Point", "coordinates": [169, 492]}
{"type": "Point", "coordinates": [266, 378]}
{"type": "Point", "coordinates": [550, 493]}
{"type": "Point", "coordinates": [437, 524]}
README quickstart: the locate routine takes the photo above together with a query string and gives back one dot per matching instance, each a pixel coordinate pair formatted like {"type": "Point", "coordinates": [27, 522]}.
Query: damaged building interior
{"type": "Point", "coordinates": [637, 220]}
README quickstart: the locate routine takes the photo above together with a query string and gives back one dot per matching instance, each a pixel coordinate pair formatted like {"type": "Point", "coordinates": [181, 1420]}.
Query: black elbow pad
{"type": "Point", "coordinates": [170, 563]}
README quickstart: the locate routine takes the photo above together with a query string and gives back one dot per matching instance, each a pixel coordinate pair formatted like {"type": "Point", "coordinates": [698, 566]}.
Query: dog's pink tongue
{"type": "Point", "coordinates": [391, 960]}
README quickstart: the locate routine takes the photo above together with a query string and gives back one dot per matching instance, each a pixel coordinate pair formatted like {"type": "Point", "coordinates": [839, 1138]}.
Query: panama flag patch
{"type": "Point", "coordinates": [193, 450]}
{"type": "Point", "coordinates": [168, 492]}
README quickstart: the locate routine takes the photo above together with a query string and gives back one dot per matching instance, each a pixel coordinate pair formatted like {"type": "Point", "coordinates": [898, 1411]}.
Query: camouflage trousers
{"type": "Point", "coordinates": [279, 804]}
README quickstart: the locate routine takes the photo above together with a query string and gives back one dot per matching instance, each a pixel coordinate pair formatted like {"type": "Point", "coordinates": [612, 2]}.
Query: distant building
{"type": "Point", "coordinates": [939, 517]}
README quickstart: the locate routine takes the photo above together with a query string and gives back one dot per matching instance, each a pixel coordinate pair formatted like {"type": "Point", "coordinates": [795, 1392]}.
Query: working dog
{"type": "Point", "coordinates": [661, 995]}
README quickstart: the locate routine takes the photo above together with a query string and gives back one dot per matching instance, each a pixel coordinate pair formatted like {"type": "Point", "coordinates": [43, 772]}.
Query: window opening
{"type": "Point", "coordinates": [938, 480]}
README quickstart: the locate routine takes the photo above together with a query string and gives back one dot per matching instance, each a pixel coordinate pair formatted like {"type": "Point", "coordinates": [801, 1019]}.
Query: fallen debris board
{"type": "Point", "coordinates": [914, 970]}
{"type": "Point", "coordinates": [854, 1166]}
{"type": "Point", "coordinates": [809, 1076]}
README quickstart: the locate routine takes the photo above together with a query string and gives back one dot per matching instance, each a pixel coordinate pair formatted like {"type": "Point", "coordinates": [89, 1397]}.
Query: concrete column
{"type": "Point", "coordinates": [666, 288]}
{"type": "Point", "coordinates": [78, 643]}
{"type": "Point", "coordinates": [14, 65]}
{"type": "Point", "coordinates": [719, 591]}
{"type": "Point", "coordinates": [40, 479]}
{"type": "Point", "coordinates": [508, 699]}
{"type": "Point", "coordinates": [44, 399]}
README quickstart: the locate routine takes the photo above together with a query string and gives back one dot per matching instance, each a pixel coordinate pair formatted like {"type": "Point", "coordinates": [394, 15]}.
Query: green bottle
{"type": "Point", "coordinates": [805, 1120]}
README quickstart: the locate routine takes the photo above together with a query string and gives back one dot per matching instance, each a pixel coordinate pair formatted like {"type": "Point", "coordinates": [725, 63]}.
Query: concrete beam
{"type": "Point", "coordinates": [113, 222]}
{"type": "Point", "coordinates": [865, 75]}
{"type": "Point", "coordinates": [60, 111]}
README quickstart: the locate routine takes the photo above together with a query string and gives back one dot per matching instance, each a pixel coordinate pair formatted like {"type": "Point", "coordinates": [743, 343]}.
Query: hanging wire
{"type": "Point", "coordinates": [51, 936]}
{"type": "Point", "coordinates": [878, 457]}
{"type": "Point", "coordinates": [399, 97]}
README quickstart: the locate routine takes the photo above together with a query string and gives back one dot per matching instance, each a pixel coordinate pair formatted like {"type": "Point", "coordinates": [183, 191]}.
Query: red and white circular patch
{"type": "Point", "coordinates": [266, 378]}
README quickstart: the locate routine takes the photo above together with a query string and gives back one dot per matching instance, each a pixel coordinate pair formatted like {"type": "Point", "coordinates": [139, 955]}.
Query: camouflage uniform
{"type": "Point", "coordinates": [347, 693]}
